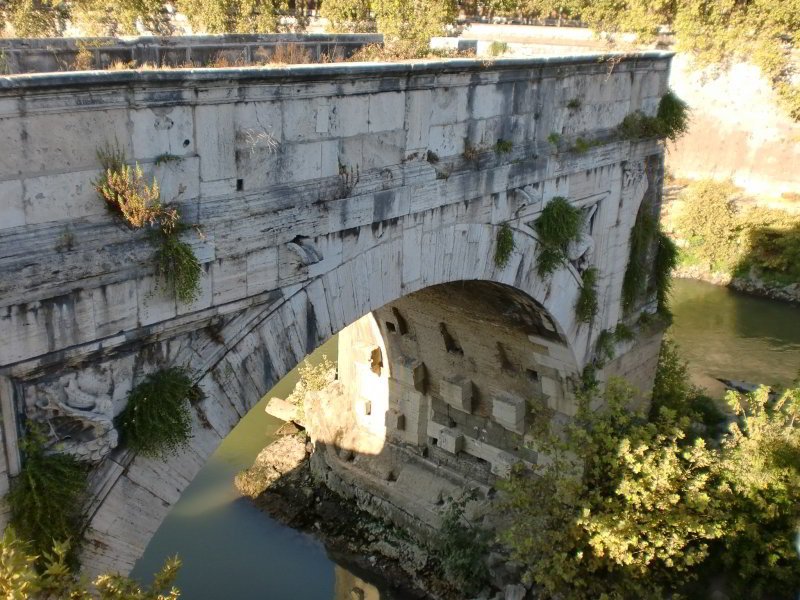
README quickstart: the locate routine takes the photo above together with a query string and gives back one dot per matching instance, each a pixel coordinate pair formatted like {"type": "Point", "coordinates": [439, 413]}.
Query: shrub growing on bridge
{"type": "Point", "coordinates": [157, 419]}
{"type": "Point", "coordinates": [138, 204]}
{"type": "Point", "coordinates": [46, 497]}
{"type": "Point", "coordinates": [559, 224]}
{"type": "Point", "coordinates": [504, 246]}
{"type": "Point", "coordinates": [671, 121]}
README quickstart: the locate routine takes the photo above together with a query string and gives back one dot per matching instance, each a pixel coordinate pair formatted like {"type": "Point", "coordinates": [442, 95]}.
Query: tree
{"type": "Point", "coordinates": [621, 510]}
{"type": "Point", "coordinates": [714, 32]}
{"type": "Point", "coordinates": [412, 23]}
{"type": "Point", "coordinates": [121, 17]}
{"type": "Point", "coordinates": [33, 18]}
{"type": "Point", "coordinates": [20, 579]}
{"type": "Point", "coordinates": [243, 16]}
{"type": "Point", "coordinates": [348, 16]}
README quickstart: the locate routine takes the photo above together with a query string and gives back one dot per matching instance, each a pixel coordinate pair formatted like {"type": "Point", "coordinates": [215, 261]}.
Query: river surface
{"type": "Point", "coordinates": [232, 550]}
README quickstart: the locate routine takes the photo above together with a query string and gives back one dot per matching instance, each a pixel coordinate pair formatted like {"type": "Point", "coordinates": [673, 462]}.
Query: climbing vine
{"type": "Point", "coordinates": [505, 246]}
{"type": "Point", "coordinates": [138, 204]}
{"type": "Point", "coordinates": [558, 225]}
{"type": "Point", "coordinates": [635, 279]}
{"type": "Point", "coordinates": [46, 498]}
{"type": "Point", "coordinates": [157, 419]}
{"type": "Point", "coordinates": [586, 305]}
{"type": "Point", "coordinates": [665, 262]}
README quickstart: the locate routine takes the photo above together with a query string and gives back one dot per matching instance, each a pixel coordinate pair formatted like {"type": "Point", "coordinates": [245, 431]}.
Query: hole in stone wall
{"type": "Point", "coordinates": [532, 375]}
{"type": "Point", "coordinates": [367, 407]}
{"type": "Point", "coordinates": [391, 476]}
{"type": "Point", "coordinates": [376, 361]}
{"type": "Point", "coordinates": [390, 327]}
{"type": "Point", "coordinates": [186, 143]}
{"type": "Point", "coordinates": [450, 343]}
{"type": "Point", "coordinates": [239, 185]}
{"type": "Point", "coordinates": [402, 326]}
{"type": "Point", "coordinates": [505, 361]}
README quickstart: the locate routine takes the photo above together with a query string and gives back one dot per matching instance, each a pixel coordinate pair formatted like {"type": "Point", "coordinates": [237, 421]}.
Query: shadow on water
{"type": "Point", "coordinates": [724, 333]}
{"type": "Point", "coordinates": [229, 548]}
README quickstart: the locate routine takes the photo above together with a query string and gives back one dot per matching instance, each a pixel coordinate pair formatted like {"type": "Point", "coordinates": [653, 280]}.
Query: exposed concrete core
{"type": "Point", "coordinates": [324, 193]}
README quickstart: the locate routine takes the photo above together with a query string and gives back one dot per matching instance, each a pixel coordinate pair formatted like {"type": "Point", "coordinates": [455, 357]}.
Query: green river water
{"type": "Point", "coordinates": [231, 550]}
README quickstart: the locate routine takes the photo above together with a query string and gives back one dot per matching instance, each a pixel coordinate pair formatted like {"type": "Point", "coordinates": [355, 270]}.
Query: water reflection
{"type": "Point", "coordinates": [229, 548]}
{"type": "Point", "coordinates": [726, 334]}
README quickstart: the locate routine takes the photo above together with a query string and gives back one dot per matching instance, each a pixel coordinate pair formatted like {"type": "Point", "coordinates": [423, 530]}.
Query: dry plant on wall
{"type": "Point", "coordinates": [138, 204]}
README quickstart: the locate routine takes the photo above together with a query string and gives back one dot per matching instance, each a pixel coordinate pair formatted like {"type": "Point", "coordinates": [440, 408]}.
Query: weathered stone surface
{"type": "Point", "coordinates": [293, 249]}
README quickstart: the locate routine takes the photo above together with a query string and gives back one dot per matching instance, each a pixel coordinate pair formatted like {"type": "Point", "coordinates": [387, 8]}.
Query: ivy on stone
{"type": "Point", "coordinates": [586, 305]}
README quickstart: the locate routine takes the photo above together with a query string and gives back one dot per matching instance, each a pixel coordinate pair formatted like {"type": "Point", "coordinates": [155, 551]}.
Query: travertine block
{"type": "Point", "coordinates": [451, 441]}
{"type": "Point", "coordinates": [509, 411]}
{"type": "Point", "coordinates": [457, 392]}
{"type": "Point", "coordinates": [411, 373]}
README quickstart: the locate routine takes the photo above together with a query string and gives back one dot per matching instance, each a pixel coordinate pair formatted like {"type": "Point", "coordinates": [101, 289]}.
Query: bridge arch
{"type": "Point", "coordinates": [239, 360]}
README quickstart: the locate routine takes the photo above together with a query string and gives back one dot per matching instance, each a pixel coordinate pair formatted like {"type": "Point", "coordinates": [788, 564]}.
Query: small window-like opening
{"type": "Point", "coordinates": [450, 343]}
{"type": "Point", "coordinates": [402, 326]}
{"type": "Point", "coordinates": [390, 327]}
{"type": "Point", "coordinates": [239, 185]}
{"type": "Point", "coordinates": [532, 375]}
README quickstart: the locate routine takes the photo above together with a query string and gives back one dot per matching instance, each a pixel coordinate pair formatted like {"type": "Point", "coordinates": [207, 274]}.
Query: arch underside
{"type": "Point", "coordinates": [242, 357]}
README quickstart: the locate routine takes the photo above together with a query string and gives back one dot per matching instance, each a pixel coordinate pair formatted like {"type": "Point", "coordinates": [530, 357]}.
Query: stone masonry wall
{"type": "Point", "coordinates": [321, 193]}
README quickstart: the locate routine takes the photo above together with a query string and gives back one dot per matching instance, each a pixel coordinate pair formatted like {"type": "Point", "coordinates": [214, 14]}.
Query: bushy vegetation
{"type": "Point", "coordinates": [559, 224]}
{"type": "Point", "coordinates": [633, 506]}
{"type": "Point", "coordinates": [348, 16]}
{"type": "Point", "coordinates": [717, 236]}
{"type": "Point", "coordinates": [586, 305]}
{"type": "Point", "coordinates": [21, 580]}
{"type": "Point", "coordinates": [410, 24]}
{"type": "Point", "coordinates": [670, 122]}
{"type": "Point", "coordinates": [157, 420]}
{"type": "Point", "coordinates": [504, 246]}
{"type": "Point", "coordinates": [462, 548]}
{"type": "Point", "coordinates": [138, 204]}
{"type": "Point", "coordinates": [46, 497]}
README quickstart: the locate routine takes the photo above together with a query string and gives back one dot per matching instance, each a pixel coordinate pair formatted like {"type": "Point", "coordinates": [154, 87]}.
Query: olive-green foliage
{"type": "Point", "coordinates": [157, 419]}
{"type": "Point", "coordinates": [138, 204]}
{"type": "Point", "coordinates": [762, 469]}
{"type": "Point", "coordinates": [46, 497]}
{"type": "Point", "coordinates": [462, 548]}
{"type": "Point", "coordinates": [559, 224]}
{"type": "Point", "coordinates": [709, 224]}
{"type": "Point", "coordinates": [120, 17]}
{"type": "Point", "coordinates": [604, 348]}
{"type": "Point", "coordinates": [554, 138]}
{"type": "Point", "coordinates": [673, 390]}
{"type": "Point", "coordinates": [178, 267]}
{"type": "Point", "coordinates": [412, 23]}
{"type": "Point", "coordinates": [666, 260]}
{"type": "Point", "coordinates": [504, 247]}
{"type": "Point", "coordinates": [21, 580]}
{"type": "Point", "coordinates": [498, 48]}
{"type": "Point", "coordinates": [125, 190]}
{"type": "Point", "coordinates": [672, 116]}
{"type": "Point", "coordinates": [348, 16]}
{"type": "Point", "coordinates": [671, 121]}
{"type": "Point", "coordinates": [243, 16]}
{"type": "Point", "coordinates": [503, 146]}
{"type": "Point", "coordinates": [582, 145]}
{"type": "Point", "coordinates": [634, 283]}
{"type": "Point", "coordinates": [624, 509]}
{"type": "Point", "coordinates": [721, 238]}
{"type": "Point", "coordinates": [623, 333]}
{"type": "Point", "coordinates": [586, 305]}
{"type": "Point", "coordinates": [33, 18]}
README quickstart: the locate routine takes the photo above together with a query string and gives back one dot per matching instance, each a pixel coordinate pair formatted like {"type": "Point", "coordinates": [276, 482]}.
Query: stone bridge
{"type": "Point", "coordinates": [322, 193]}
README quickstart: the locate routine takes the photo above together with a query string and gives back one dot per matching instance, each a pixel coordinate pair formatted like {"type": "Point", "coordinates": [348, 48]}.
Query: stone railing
{"type": "Point", "coordinates": [70, 54]}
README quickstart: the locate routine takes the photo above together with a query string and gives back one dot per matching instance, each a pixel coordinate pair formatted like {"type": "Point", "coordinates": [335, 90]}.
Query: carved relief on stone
{"type": "Point", "coordinates": [581, 251]}
{"type": "Point", "coordinates": [77, 417]}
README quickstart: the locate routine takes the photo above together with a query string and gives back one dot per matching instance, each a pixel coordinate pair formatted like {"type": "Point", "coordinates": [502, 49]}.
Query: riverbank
{"type": "Point", "coordinates": [753, 285]}
{"type": "Point", "coordinates": [281, 484]}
